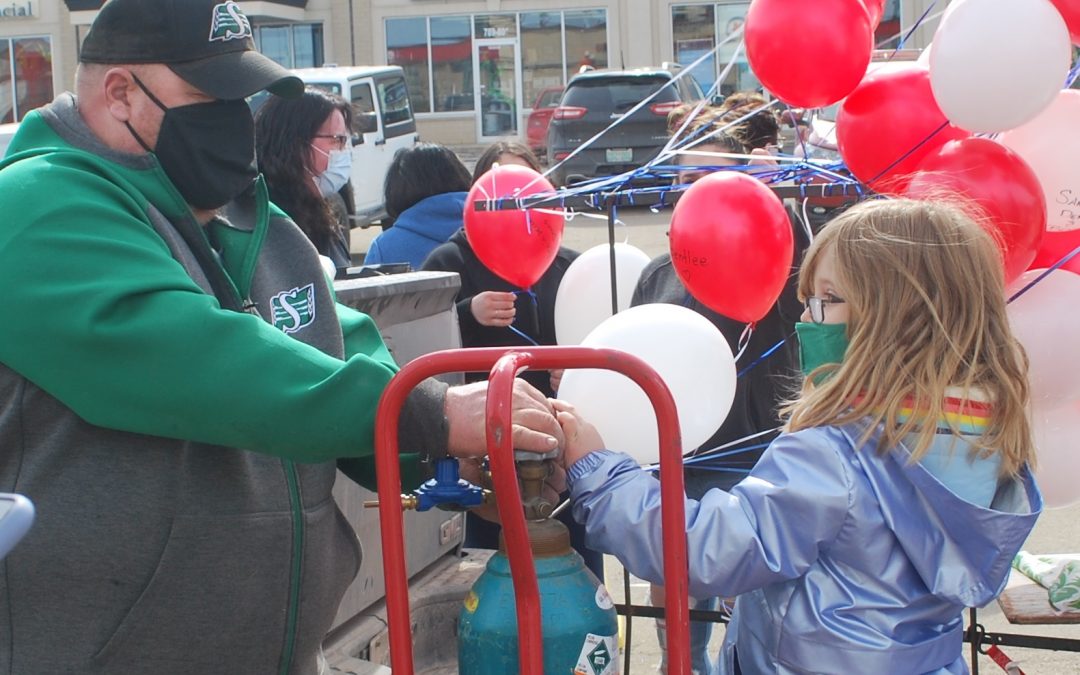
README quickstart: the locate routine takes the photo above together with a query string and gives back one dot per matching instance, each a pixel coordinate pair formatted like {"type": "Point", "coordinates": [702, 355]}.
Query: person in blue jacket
{"type": "Point", "coordinates": [901, 488]}
{"type": "Point", "coordinates": [425, 193]}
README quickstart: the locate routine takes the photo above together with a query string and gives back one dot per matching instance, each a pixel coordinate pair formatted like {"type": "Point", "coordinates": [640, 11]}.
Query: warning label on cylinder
{"type": "Point", "coordinates": [603, 599]}
{"type": "Point", "coordinates": [599, 656]}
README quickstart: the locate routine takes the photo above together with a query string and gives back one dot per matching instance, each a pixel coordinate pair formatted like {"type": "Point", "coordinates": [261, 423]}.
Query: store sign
{"type": "Point", "coordinates": [18, 10]}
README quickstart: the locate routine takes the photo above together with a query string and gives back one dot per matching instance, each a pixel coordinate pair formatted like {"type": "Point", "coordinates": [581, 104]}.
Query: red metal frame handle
{"type": "Point", "coordinates": [507, 363]}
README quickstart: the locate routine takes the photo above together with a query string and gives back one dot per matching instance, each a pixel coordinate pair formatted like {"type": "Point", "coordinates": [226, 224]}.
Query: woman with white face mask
{"type": "Point", "coordinates": [304, 150]}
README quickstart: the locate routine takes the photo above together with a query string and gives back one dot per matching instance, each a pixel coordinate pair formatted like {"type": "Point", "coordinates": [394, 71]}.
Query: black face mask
{"type": "Point", "coordinates": [206, 149]}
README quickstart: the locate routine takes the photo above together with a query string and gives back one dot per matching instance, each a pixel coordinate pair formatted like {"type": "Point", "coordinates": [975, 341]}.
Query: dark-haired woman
{"type": "Point", "coordinates": [425, 195]}
{"type": "Point", "coordinates": [505, 152]}
{"type": "Point", "coordinates": [304, 151]}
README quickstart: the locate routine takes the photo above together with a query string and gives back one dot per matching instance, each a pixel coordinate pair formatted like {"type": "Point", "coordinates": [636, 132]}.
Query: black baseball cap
{"type": "Point", "coordinates": [208, 43]}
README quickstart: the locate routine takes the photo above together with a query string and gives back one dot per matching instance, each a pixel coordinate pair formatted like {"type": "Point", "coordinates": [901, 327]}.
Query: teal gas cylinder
{"type": "Point", "coordinates": [576, 613]}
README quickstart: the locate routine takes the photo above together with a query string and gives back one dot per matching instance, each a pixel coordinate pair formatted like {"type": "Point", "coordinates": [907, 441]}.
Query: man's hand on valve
{"type": "Point", "coordinates": [535, 429]}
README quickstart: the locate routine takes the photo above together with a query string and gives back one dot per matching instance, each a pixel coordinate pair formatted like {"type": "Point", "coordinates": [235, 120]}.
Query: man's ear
{"type": "Point", "coordinates": [117, 85]}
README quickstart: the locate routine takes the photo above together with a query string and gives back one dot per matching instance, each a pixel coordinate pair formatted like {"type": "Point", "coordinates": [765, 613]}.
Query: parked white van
{"type": "Point", "coordinates": [383, 123]}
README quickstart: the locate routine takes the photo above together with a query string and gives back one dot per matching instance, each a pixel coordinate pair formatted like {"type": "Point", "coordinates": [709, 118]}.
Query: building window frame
{"type": "Point", "coordinates": [17, 114]}
{"type": "Point", "coordinates": [318, 51]}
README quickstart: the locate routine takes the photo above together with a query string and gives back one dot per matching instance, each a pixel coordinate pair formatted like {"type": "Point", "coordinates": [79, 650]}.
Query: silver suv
{"type": "Point", "coordinates": [594, 99]}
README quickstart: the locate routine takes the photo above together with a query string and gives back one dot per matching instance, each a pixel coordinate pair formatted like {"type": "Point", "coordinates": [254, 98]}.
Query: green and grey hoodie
{"type": "Point", "coordinates": [138, 353]}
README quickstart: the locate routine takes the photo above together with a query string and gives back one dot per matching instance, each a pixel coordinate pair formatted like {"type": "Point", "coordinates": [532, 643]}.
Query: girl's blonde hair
{"type": "Point", "coordinates": [926, 296]}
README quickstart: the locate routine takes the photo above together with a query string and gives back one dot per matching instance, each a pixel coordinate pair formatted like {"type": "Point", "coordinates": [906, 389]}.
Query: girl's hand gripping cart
{"type": "Point", "coordinates": [504, 365]}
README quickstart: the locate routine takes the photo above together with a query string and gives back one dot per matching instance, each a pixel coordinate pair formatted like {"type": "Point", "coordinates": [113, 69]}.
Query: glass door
{"type": "Point", "coordinates": [498, 88]}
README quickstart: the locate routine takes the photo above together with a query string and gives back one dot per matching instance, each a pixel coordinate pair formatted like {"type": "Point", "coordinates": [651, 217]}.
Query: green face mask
{"type": "Point", "coordinates": [821, 343]}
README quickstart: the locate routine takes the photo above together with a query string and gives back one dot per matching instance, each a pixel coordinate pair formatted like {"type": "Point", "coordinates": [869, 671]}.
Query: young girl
{"type": "Point", "coordinates": [899, 492]}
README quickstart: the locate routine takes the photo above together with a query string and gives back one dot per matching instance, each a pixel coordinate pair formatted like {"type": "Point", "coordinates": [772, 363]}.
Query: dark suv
{"type": "Point", "coordinates": [594, 100]}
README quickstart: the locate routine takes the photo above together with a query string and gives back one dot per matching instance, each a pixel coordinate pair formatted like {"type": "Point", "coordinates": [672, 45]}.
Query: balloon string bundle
{"type": "Point", "coordinates": [644, 102]}
{"type": "Point", "coordinates": [677, 139]}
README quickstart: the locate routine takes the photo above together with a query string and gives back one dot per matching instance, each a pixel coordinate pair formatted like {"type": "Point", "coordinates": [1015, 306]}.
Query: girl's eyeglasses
{"type": "Point", "coordinates": [816, 306]}
{"type": "Point", "coordinates": [340, 140]}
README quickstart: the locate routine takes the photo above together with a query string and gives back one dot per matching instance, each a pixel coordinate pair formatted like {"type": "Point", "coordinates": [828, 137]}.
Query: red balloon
{"type": "Point", "coordinates": [732, 245]}
{"type": "Point", "coordinates": [889, 124]}
{"type": "Point", "coordinates": [516, 245]}
{"type": "Point", "coordinates": [1070, 11]}
{"type": "Point", "coordinates": [1056, 245]}
{"type": "Point", "coordinates": [1000, 184]}
{"type": "Point", "coordinates": [875, 9]}
{"type": "Point", "coordinates": [808, 54]}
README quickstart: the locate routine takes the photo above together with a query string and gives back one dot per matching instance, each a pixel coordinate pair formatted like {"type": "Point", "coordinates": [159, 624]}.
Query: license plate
{"type": "Point", "coordinates": [620, 155]}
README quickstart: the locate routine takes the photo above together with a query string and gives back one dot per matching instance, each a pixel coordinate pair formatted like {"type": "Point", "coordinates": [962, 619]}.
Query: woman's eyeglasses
{"type": "Point", "coordinates": [340, 140]}
{"type": "Point", "coordinates": [816, 306]}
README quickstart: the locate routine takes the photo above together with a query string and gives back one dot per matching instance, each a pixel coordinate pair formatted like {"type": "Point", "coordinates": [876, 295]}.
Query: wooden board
{"type": "Point", "coordinates": [1026, 602]}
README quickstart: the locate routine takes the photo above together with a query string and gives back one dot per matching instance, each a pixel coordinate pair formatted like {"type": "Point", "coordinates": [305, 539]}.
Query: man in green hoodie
{"type": "Point", "coordinates": [177, 384]}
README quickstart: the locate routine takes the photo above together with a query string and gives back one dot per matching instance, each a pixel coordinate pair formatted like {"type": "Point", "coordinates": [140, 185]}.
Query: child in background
{"type": "Point", "coordinates": [762, 387]}
{"type": "Point", "coordinates": [900, 490]}
{"type": "Point", "coordinates": [491, 311]}
{"type": "Point", "coordinates": [505, 152]}
{"type": "Point", "coordinates": [425, 193]}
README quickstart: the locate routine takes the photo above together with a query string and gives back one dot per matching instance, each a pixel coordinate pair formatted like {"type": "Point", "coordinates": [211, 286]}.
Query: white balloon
{"type": "Point", "coordinates": [1057, 457]}
{"type": "Point", "coordinates": [997, 63]}
{"type": "Point", "coordinates": [583, 300]}
{"type": "Point", "coordinates": [690, 355]}
{"type": "Point", "coordinates": [1050, 144]}
{"type": "Point", "coordinates": [1045, 321]}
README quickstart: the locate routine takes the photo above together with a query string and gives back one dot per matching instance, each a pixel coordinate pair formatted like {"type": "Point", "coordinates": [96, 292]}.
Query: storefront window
{"type": "Point", "coordinates": [307, 45]}
{"type": "Point", "coordinates": [541, 54]}
{"type": "Point", "coordinates": [407, 46]}
{"type": "Point", "coordinates": [586, 40]}
{"type": "Point", "coordinates": [274, 43]}
{"type": "Point", "coordinates": [292, 45]}
{"type": "Point", "coordinates": [438, 53]}
{"type": "Point", "coordinates": [25, 76]}
{"type": "Point", "coordinates": [451, 63]}
{"type": "Point", "coordinates": [694, 29]}
{"type": "Point", "coordinates": [697, 29]}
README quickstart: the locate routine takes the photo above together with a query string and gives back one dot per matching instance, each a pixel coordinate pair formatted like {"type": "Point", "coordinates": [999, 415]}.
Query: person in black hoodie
{"type": "Point", "coordinates": [494, 313]}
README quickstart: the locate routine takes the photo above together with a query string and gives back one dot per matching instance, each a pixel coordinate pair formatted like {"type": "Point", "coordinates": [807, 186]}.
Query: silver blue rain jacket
{"type": "Point", "coordinates": [844, 560]}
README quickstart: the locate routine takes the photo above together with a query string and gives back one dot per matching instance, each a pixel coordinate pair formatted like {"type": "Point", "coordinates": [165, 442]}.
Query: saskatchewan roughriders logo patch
{"type": "Point", "coordinates": [294, 309]}
{"type": "Point", "coordinates": [229, 23]}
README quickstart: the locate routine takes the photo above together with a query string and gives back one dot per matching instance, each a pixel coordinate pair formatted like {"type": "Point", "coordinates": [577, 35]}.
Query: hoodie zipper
{"type": "Point", "coordinates": [292, 480]}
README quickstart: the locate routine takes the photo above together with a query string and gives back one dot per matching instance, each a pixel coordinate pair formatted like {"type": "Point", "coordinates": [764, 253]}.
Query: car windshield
{"type": "Point", "coordinates": [617, 94]}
